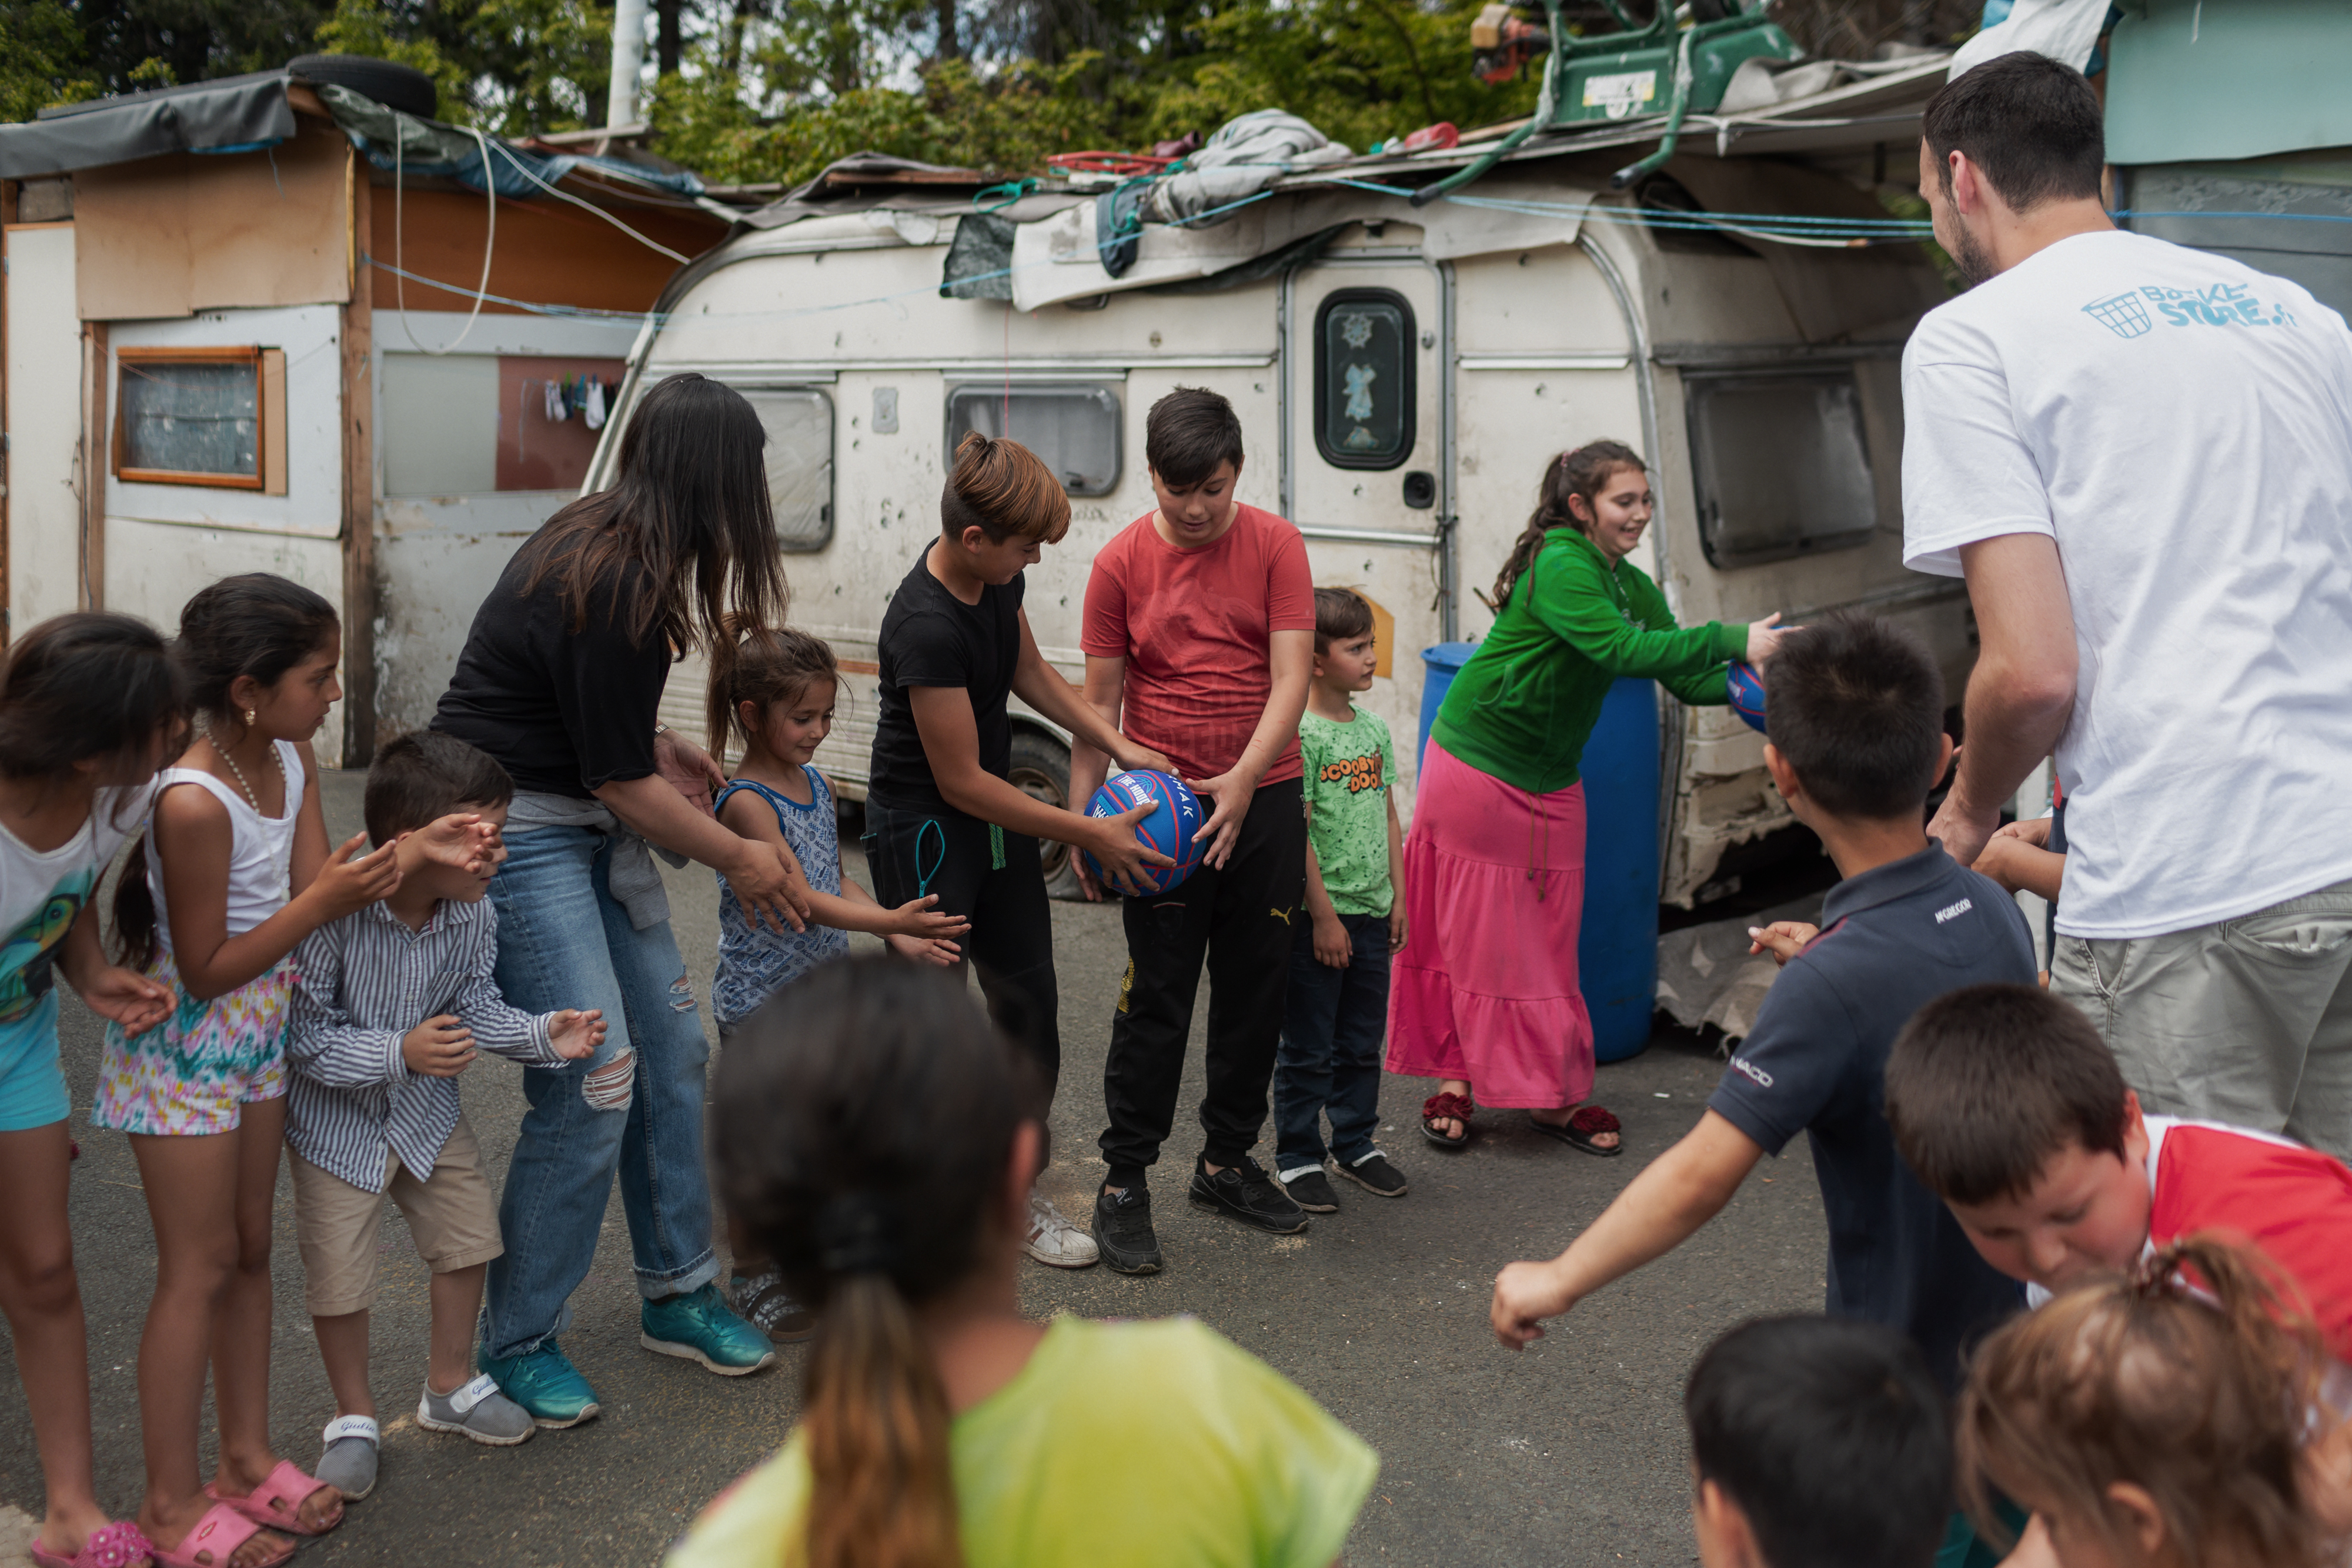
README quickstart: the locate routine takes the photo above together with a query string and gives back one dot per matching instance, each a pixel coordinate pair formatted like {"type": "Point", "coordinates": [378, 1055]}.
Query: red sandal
{"type": "Point", "coordinates": [1444, 1108]}
{"type": "Point", "coordinates": [1579, 1131]}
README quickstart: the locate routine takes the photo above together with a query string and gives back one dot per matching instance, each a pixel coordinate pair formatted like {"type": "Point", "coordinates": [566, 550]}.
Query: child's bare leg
{"type": "Point", "coordinates": [240, 1346]}
{"type": "Point", "coordinates": [42, 1299]}
{"type": "Point", "coordinates": [343, 1346]}
{"type": "Point", "coordinates": [191, 1187]}
{"type": "Point", "coordinates": [457, 1306]}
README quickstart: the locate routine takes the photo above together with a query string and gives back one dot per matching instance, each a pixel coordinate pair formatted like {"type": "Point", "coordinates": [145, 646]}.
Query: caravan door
{"type": "Point", "coordinates": [1366, 413]}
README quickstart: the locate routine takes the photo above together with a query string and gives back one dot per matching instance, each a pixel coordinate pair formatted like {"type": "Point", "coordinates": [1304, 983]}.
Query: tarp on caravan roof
{"type": "Point", "coordinates": [234, 114]}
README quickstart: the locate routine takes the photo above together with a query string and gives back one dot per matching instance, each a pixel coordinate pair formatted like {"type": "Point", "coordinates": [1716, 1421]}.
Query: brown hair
{"type": "Point", "coordinates": [2193, 1379]}
{"type": "Point", "coordinates": [2031, 125]}
{"type": "Point", "coordinates": [863, 1124]}
{"type": "Point", "coordinates": [1855, 705]}
{"type": "Point", "coordinates": [1341, 615]}
{"type": "Point", "coordinates": [1582, 472]}
{"type": "Point", "coordinates": [1987, 1084]}
{"type": "Point", "coordinates": [1002, 489]}
{"type": "Point", "coordinates": [1189, 432]}
{"type": "Point", "coordinates": [771, 665]}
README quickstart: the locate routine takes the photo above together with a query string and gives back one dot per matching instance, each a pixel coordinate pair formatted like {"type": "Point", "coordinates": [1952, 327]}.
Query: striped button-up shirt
{"type": "Point", "coordinates": [360, 985]}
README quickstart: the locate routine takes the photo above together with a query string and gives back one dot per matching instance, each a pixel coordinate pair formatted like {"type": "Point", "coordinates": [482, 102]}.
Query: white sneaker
{"type": "Point", "coordinates": [1055, 1242]}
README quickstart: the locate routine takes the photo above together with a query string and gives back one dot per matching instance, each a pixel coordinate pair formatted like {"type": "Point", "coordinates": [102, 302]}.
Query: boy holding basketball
{"type": "Point", "coordinates": [1200, 640]}
{"type": "Point", "coordinates": [1338, 1012]}
{"type": "Point", "coordinates": [942, 817]}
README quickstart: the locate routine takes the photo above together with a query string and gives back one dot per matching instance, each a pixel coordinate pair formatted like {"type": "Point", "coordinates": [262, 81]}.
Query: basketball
{"type": "Point", "coordinates": [1171, 830]}
{"type": "Point", "coordinates": [1748, 694]}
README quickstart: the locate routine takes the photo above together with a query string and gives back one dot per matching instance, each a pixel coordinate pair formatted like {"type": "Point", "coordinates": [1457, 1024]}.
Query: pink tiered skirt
{"type": "Point", "coordinates": [1484, 989]}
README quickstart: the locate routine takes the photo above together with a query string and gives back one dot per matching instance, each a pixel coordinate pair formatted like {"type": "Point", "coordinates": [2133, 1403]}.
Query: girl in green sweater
{"type": "Point", "coordinates": [1485, 988]}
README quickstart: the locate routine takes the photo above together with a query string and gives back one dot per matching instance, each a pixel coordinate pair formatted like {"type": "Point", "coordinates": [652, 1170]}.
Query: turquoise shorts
{"type": "Point", "coordinates": [32, 1082]}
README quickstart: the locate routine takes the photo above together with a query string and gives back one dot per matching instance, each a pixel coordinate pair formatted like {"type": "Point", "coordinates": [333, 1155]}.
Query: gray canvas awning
{"type": "Point", "coordinates": [234, 114]}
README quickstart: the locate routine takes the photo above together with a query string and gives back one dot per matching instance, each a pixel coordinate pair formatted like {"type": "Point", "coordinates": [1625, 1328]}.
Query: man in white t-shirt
{"type": "Point", "coordinates": [2140, 456]}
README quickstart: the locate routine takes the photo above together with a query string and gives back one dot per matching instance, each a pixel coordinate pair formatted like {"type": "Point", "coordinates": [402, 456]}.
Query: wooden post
{"type": "Point", "coordinates": [359, 479]}
{"type": "Point", "coordinates": [97, 461]}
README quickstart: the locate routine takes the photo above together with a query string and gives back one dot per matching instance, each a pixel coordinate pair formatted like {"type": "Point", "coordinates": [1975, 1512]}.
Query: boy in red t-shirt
{"type": "Point", "coordinates": [2010, 1107]}
{"type": "Point", "coordinates": [1199, 641]}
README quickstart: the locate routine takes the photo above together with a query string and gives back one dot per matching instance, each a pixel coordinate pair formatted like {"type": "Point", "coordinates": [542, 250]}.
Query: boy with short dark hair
{"type": "Point", "coordinates": [2011, 1109]}
{"type": "Point", "coordinates": [1199, 641]}
{"type": "Point", "coordinates": [1855, 709]}
{"type": "Point", "coordinates": [1336, 1014]}
{"type": "Point", "coordinates": [1816, 1443]}
{"type": "Point", "coordinates": [390, 1004]}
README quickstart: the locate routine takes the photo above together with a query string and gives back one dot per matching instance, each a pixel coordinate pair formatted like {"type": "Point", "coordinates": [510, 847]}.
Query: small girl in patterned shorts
{"type": "Point", "coordinates": [239, 872]}
{"type": "Point", "coordinates": [780, 702]}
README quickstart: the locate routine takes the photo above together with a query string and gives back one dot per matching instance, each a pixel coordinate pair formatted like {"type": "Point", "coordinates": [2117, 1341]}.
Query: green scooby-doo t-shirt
{"type": "Point", "coordinates": [1348, 767]}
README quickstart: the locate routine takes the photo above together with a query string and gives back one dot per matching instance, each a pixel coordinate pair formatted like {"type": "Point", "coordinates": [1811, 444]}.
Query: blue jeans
{"type": "Point", "coordinates": [564, 941]}
{"type": "Point", "coordinates": [1333, 1023]}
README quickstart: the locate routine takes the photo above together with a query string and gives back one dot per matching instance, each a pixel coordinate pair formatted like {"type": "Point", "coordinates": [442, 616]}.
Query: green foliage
{"type": "Point", "coordinates": [363, 28]}
{"type": "Point", "coordinates": [43, 60]}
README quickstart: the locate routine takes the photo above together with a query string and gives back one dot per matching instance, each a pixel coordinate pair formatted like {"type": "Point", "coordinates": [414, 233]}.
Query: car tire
{"type": "Point", "coordinates": [391, 84]}
{"type": "Point", "coordinates": [1041, 769]}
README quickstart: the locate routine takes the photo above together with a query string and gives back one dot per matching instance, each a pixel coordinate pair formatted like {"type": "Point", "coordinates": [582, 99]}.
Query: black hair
{"type": "Point", "coordinates": [420, 777]}
{"type": "Point", "coordinates": [687, 535]}
{"type": "Point", "coordinates": [1829, 1435]}
{"type": "Point", "coordinates": [1188, 433]}
{"type": "Point", "coordinates": [88, 684]}
{"type": "Point", "coordinates": [1341, 615]}
{"type": "Point", "coordinates": [1856, 706]}
{"type": "Point", "coordinates": [862, 1127]}
{"type": "Point", "coordinates": [2031, 125]}
{"type": "Point", "coordinates": [1987, 1084]}
{"type": "Point", "coordinates": [255, 624]}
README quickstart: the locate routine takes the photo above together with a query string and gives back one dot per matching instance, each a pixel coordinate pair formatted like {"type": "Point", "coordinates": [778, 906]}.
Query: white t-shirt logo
{"type": "Point", "coordinates": [2218, 305]}
{"type": "Point", "coordinates": [1763, 1079]}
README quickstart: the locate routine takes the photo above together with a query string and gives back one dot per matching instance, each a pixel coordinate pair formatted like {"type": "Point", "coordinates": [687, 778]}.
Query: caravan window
{"type": "Point", "coordinates": [799, 422]}
{"type": "Point", "coordinates": [1364, 378]}
{"type": "Point", "coordinates": [1780, 462]}
{"type": "Point", "coordinates": [191, 416]}
{"type": "Point", "coordinates": [1074, 426]}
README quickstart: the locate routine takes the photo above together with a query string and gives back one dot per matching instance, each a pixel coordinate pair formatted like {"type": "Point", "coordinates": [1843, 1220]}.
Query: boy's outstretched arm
{"type": "Point", "coordinates": [1290, 660]}
{"type": "Point", "coordinates": [1041, 685]}
{"type": "Point", "coordinates": [1681, 1190]}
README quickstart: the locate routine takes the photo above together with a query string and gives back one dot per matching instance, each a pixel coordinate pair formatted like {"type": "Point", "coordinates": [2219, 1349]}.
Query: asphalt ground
{"type": "Point", "coordinates": [1570, 1453]}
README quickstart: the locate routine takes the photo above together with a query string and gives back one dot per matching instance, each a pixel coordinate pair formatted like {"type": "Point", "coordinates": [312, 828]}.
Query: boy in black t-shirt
{"type": "Point", "coordinates": [942, 816]}
{"type": "Point", "coordinates": [1855, 709]}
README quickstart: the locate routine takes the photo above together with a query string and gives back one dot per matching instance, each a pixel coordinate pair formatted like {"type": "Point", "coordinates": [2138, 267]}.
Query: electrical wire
{"type": "Point", "coordinates": [489, 242]}
{"type": "Point", "coordinates": [514, 158]}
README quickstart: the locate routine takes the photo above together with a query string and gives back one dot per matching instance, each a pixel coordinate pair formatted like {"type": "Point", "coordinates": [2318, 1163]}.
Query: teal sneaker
{"type": "Point", "coordinates": [701, 1327]}
{"type": "Point", "coordinates": [545, 1382]}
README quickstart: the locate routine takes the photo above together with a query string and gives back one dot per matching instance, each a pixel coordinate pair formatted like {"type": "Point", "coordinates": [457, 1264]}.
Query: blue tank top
{"type": "Point", "coordinates": [755, 962]}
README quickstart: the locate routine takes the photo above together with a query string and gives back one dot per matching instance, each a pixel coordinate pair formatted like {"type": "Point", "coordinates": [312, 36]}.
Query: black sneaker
{"type": "Point", "coordinates": [1310, 1192]}
{"type": "Point", "coordinates": [1123, 1232]}
{"type": "Point", "coordinates": [1247, 1194]}
{"type": "Point", "coordinates": [1372, 1172]}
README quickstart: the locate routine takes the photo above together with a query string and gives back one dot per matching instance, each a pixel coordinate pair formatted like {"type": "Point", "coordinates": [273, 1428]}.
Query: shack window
{"type": "Point", "coordinates": [799, 422]}
{"type": "Point", "coordinates": [1364, 378]}
{"type": "Point", "coordinates": [1781, 466]}
{"type": "Point", "coordinates": [1074, 426]}
{"type": "Point", "coordinates": [201, 416]}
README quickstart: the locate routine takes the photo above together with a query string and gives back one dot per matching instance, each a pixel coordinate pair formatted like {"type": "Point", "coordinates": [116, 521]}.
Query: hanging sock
{"type": "Point", "coordinates": [552, 401]}
{"type": "Point", "coordinates": [595, 404]}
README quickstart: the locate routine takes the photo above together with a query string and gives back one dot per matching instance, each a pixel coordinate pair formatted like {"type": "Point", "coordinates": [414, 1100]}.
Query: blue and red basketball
{"type": "Point", "coordinates": [1748, 694]}
{"type": "Point", "coordinates": [1173, 829]}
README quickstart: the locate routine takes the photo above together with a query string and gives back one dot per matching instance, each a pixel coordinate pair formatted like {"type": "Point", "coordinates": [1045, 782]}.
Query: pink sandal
{"type": "Point", "coordinates": [214, 1540]}
{"type": "Point", "coordinates": [118, 1545]}
{"type": "Point", "coordinates": [277, 1502]}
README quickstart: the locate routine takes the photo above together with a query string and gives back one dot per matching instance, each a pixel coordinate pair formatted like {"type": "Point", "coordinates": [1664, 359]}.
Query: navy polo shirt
{"type": "Point", "coordinates": [1892, 939]}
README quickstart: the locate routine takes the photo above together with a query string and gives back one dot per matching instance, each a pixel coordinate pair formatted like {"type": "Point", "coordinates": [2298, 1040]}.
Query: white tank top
{"type": "Point", "coordinates": [261, 849]}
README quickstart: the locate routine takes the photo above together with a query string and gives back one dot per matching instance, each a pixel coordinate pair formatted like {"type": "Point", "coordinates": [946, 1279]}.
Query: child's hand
{"type": "Point", "coordinates": [352, 881]}
{"type": "Point", "coordinates": [2035, 832]}
{"type": "Point", "coordinates": [1396, 927]}
{"type": "Point", "coordinates": [1764, 638]}
{"type": "Point", "coordinates": [461, 840]}
{"type": "Point", "coordinates": [440, 1047]}
{"type": "Point", "coordinates": [914, 918]}
{"type": "Point", "coordinates": [128, 997]}
{"type": "Point", "coordinates": [923, 949]}
{"type": "Point", "coordinates": [1784, 939]}
{"type": "Point", "coordinates": [1526, 1295]}
{"type": "Point", "coordinates": [1136, 757]}
{"type": "Point", "coordinates": [1333, 945]}
{"type": "Point", "coordinates": [1120, 853]}
{"type": "Point", "coordinates": [573, 1034]}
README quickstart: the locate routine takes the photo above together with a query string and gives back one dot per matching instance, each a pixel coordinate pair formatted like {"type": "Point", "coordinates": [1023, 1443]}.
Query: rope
{"type": "Point", "coordinates": [490, 243]}
{"type": "Point", "coordinates": [575, 201]}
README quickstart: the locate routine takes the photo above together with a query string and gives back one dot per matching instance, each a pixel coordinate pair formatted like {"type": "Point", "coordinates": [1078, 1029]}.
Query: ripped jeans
{"type": "Point", "coordinates": [636, 1107]}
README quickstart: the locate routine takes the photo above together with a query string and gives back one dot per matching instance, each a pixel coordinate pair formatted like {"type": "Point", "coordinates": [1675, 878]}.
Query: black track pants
{"type": "Point", "coordinates": [1239, 919]}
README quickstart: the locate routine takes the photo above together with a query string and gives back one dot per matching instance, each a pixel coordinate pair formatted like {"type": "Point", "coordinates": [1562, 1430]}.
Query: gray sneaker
{"type": "Point", "coordinates": [478, 1410]}
{"type": "Point", "coordinates": [349, 1463]}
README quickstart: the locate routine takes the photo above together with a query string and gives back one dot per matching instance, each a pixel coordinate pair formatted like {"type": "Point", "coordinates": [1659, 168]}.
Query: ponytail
{"type": "Point", "coordinates": [134, 910]}
{"type": "Point", "coordinates": [1582, 472]}
{"type": "Point", "coordinates": [863, 1125]}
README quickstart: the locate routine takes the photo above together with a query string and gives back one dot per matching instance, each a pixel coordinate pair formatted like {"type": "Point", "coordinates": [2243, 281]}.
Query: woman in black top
{"type": "Point", "coordinates": [561, 681]}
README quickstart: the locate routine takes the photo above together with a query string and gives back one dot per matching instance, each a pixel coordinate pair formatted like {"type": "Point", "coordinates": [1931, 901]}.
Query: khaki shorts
{"type": "Point", "coordinates": [452, 1214]}
{"type": "Point", "coordinates": [2248, 1021]}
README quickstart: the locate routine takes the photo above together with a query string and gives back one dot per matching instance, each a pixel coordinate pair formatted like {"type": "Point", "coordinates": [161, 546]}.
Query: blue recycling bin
{"type": "Point", "coordinates": [1617, 949]}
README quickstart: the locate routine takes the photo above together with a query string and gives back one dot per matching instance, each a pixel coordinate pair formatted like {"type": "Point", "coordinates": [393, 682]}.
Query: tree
{"type": "Point", "coordinates": [43, 60]}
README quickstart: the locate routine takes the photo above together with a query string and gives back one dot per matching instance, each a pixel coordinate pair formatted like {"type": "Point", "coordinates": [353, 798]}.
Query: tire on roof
{"type": "Point", "coordinates": [394, 86]}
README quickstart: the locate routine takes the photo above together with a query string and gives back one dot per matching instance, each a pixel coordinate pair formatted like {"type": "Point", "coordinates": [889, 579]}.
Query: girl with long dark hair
{"type": "Point", "coordinates": [1485, 996]}
{"type": "Point", "coordinates": [562, 681]}
{"type": "Point", "coordinates": [877, 1138]}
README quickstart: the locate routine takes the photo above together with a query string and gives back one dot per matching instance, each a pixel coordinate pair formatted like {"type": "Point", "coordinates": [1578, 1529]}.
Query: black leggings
{"type": "Point", "coordinates": [992, 879]}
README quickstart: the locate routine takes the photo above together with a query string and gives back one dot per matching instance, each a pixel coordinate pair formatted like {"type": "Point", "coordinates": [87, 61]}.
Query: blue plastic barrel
{"type": "Point", "coordinates": [1617, 951]}
{"type": "Point", "coordinates": [1438, 666]}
